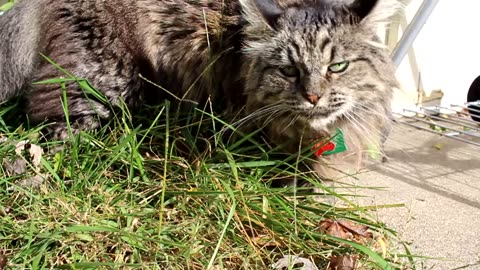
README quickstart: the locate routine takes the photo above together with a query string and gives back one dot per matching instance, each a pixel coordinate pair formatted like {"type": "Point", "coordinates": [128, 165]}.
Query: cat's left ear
{"type": "Point", "coordinates": [374, 13]}
{"type": "Point", "coordinates": [261, 12]}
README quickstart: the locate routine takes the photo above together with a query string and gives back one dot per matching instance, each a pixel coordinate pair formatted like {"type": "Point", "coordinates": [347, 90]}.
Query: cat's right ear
{"type": "Point", "coordinates": [374, 13]}
{"type": "Point", "coordinates": [261, 12]}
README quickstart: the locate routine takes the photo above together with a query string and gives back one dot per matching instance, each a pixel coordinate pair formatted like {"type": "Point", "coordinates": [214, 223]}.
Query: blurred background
{"type": "Point", "coordinates": [443, 60]}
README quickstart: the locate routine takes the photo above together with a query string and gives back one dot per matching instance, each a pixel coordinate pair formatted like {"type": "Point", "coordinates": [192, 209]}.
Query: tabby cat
{"type": "Point", "coordinates": [300, 69]}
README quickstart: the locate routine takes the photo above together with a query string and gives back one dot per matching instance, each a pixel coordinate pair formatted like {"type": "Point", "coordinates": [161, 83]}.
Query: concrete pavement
{"type": "Point", "coordinates": [438, 179]}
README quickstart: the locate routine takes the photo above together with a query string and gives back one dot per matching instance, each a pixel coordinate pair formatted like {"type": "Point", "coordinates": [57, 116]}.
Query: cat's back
{"type": "Point", "coordinates": [173, 42]}
{"type": "Point", "coordinates": [193, 44]}
{"type": "Point", "coordinates": [60, 29]}
{"type": "Point", "coordinates": [180, 38]}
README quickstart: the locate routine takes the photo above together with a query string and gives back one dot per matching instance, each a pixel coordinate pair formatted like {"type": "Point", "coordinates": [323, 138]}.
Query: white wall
{"type": "Point", "coordinates": [447, 51]}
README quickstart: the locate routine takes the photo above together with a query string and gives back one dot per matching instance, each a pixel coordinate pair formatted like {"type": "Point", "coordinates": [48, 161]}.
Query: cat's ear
{"type": "Point", "coordinates": [261, 12]}
{"type": "Point", "coordinates": [374, 13]}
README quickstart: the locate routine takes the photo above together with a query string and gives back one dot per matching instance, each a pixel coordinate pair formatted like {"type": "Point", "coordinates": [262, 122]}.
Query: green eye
{"type": "Point", "coordinates": [338, 67]}
{"type": "Point", "coordinates": [290, 71]}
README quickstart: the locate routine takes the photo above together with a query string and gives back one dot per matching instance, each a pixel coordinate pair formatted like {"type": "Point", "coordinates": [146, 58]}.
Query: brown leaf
{"type": "Point", "coordinates": [3, 261]}
{"type": "Point", "coordinates": [344, 262]}
{"type": "Point", "coordinates": [325, 224]}
{"type": "Point", "coordinates": [345, 229]}
{"type": "Point", "coordinates": [355, 229]}
{"type": "Point", "coordinates": [338, 231]}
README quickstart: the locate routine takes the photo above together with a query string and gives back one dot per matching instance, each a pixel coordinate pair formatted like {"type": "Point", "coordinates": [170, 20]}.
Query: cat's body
{"type": "Point", "coordinates": [301, 68]}
{"type": "Point", "coordinates": [111, 43]}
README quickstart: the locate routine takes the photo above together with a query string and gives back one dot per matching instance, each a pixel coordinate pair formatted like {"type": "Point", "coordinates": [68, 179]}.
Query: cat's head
{"type": "Point", "coordinates": [318, 60]}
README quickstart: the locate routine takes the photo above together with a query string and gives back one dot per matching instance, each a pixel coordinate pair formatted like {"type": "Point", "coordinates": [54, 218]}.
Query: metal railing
{"type": "Point", "coordinates": [454, 122]}
{"type": "Point", "coordinates": [412, 30]}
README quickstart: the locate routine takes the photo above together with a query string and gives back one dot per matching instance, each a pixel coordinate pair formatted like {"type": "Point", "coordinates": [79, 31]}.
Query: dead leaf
{"type": "Point", "coordinates": [289, 260]}
{"type": "Point", "coordinates": [4, 211]}
{"type": "Point", "coordinates": [266, 241]}
{"type": "Point", "coordinates": [382, 243]}
{"type": "Point", "coordinates": [355, 229]}
{"type": "Point", "coordinates": [19, 164]}
{"type": "Point", "coordinates": [333, 228]}
{"type": "Point", "coordinates": [35, 151]}
{"type": "Point", "coordinates": [3, 261]}
{"type": "Point", "coordinates": [32, 182]}
{"type": "Point", "coordinates": [439, 146]}
{"type": "Point", "coordinates": [346, 230]}
{"type": "Point", "coordinates": [344, 262]}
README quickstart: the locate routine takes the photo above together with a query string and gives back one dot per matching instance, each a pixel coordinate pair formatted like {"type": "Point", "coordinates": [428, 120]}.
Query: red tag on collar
{"type": "Point", "coordinates": [323, 147]}
{"type": "Point", "coordinates": [334, 146]}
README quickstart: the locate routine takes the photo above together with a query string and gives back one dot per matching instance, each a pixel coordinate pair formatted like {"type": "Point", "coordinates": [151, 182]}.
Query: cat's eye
{"type": "Point", "coordinates": [338, 67]}
{"type": "Point", "coordinates": [290, 71]}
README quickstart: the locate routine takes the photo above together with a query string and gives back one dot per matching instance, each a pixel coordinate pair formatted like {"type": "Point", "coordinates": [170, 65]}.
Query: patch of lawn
{"type": "Point", "coordinates": [168, 194]}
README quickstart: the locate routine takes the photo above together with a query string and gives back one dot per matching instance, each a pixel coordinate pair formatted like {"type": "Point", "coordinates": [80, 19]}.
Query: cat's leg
{"type": "Point", "coordinates": [53, 102]}
{"type": "Point", "coordinates": [46, 102]}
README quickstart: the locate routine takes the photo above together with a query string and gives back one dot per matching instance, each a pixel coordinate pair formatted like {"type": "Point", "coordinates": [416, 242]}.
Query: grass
{"type": "Point", "coordinates": [6, 5]}
{"type": "Point", "coordinates": [168, 194]}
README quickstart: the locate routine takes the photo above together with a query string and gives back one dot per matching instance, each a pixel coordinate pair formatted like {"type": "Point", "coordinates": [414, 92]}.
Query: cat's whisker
{"type": "Point", "coordinates": [382, 134]}
{"type": "Point", "coordinates": [371, 137]}
{"type": "Point", "coordinates": [239, 123]}
{"type": "Point", "coordinates": [270, 113]}
{"type": "Point", "coordinates": [359, 118]}
{"type": "Point", "coordinates": [371, 107]}
{"type": "Point", "coordinates": [257, 113]}
{"type": "Point", "coordinates": [270, 110]}
{"type": "Point", "coordinates": [384, 116]}
{"type": "Point", "coordinates": [292, 121]}
{"type": "Point", "coordinates": [368, 135]}
{"type": "Point", "coordinates": [368, 109]}
{"type": "Point", "coordinates": [287, 118]}
{"type": "Point", "coordinates": [355, 125]}
{"type": "Point", "coordinates": [273, 116]}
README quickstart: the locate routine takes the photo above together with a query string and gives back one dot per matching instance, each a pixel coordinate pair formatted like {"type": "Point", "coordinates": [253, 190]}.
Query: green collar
{"type": "Point", "coordinates": [335, 145]}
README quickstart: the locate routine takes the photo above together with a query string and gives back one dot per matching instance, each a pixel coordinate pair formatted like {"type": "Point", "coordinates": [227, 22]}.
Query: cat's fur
{"type": "Point", "coordinates": [230, 50]}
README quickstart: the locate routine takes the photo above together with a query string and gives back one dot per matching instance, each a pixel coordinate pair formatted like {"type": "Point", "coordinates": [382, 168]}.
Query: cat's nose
{"type": "Point", "coordinates": [312, 98]}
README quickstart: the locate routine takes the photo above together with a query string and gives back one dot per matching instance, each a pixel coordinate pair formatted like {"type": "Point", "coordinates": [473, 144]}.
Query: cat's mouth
{"type": "Point", "coordinates": [319, 112]}
{"type": "Point", "coordinates": [320, 117]}
{"type": "Point", "coordinates": [335, 105]}
{"type": "Point", "coordinates": [314, 113]}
